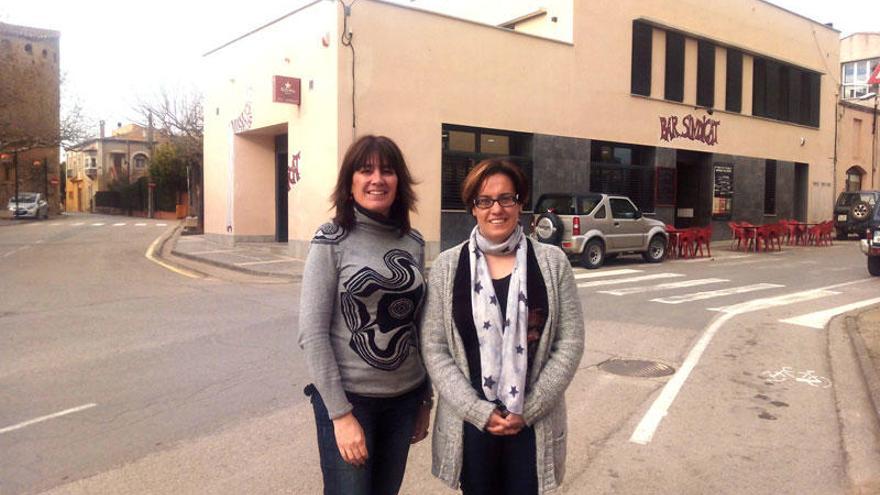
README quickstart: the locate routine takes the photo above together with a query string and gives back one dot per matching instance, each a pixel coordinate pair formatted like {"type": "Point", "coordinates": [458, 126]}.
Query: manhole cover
{"type": "Point", "coordinates": [636, 367]}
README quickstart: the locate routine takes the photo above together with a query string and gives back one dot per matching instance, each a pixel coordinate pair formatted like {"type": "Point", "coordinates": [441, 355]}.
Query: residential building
{"type": "Point", "coordinates": [695, 109]}
{"type": "Point", "coordinates": [29, 113]}
{"type": "Point", "coordinates": [95, 164]}
{"type": "Point", "coordinates": [858, 155]}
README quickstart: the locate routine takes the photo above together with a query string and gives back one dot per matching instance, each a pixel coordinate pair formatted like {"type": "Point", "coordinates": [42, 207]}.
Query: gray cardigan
{"type": "Point", "coordinates": [555, 362]}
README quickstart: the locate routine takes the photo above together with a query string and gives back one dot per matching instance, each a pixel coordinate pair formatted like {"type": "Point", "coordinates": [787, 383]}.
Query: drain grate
{"type": "Point", "coordinates": [636, 367]}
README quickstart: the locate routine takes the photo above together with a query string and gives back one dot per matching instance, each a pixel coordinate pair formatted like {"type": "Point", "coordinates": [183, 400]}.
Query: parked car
{"type": "Point", "coordinates": [853, 211]}
{"type": "Point", "coordinates": [594, 226]}
{"type": "Point", "coordinates": [871, 243]}
{"type": "Point", "coordinates": [29, 205]}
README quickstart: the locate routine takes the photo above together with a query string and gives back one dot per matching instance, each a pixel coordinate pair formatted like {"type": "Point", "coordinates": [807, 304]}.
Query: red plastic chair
{"type": "Point", "coordinates": [702, 237]}
{"type": "Point", "coordinates": [686, 239]}
{"type": "Point", "coordinates": [736, 233]}
{"type": "Point", "coordinates": [750, 235]}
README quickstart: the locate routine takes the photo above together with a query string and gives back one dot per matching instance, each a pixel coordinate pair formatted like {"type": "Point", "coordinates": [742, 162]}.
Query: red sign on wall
{"type": "Point", "coordinates": [875, 76]}
{"type": "Point", "coordinates": [286, 89]}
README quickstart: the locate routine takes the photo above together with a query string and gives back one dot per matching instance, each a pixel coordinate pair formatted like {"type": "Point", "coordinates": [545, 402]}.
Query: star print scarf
{"type": "Point", "coordinates": [503, 356]}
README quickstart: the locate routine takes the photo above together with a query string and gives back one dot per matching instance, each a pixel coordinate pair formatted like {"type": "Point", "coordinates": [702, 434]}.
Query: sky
{"type": "Point", "coordinates": [113, 55]}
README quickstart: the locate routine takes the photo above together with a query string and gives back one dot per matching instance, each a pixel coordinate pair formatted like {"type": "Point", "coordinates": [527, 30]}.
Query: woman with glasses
{"type": "Point", "coordinates": [361, 297]}
{"type": "Point", "coordinates": [502, 337]}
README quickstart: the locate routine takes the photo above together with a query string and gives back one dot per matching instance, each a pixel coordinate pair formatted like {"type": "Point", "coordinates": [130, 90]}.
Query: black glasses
{"type": "Point", "coordinates": [505, 200]}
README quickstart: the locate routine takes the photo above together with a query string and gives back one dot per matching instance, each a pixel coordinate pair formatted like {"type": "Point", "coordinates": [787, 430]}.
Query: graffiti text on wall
{"type": "Point", "coordinates": [244, 121]}
{"type": "Point", "coordinates": [293, 171]}
{"type": "Point", "coordinates": [703, 129]}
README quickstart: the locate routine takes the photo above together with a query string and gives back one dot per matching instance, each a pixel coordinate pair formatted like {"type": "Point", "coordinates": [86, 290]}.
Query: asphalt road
{"type": "Point", "coordinates": [196, 382]}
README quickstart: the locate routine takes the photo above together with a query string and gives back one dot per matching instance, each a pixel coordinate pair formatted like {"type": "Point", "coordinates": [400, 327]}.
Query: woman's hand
{"type": "Point", "coordinates": [499, 424]}
{"type": "Point", "coordinates": [423, 420]}
{"type": "Point", "coordinates": [350, 440]}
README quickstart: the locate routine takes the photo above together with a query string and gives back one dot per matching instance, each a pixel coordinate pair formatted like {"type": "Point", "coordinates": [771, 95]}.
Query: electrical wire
{"type": "Point", "coordinates": [346, 40]}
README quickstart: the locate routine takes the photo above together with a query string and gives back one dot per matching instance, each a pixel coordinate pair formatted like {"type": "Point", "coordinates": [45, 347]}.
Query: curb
{"type": "Point", "coordinates": [867, 366]}
{"type": "Point", "coordinates": [225, 266]}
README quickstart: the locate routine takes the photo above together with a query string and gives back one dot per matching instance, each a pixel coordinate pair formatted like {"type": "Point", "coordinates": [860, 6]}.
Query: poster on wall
{"type": "Point", "coordinates": [722, 197]}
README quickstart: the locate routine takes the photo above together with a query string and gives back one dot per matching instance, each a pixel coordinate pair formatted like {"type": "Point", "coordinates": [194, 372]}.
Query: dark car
{"type": "Point", "coordinates": [870, 245]}
{"type": "Point", "coordinates": [853, 212]}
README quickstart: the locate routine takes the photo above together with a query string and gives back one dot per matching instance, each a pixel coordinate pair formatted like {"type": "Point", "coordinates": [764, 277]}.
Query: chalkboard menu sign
{"type": "Point", "coordinates": [665, 194]}
{"type": "Point", "coordinates": [722, 197]}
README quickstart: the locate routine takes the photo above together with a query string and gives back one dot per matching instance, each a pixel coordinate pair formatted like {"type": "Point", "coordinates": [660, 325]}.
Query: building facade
{"type": "Point", "coordinates": [858, 145]}
{"type": "Point", "coordinates": [699, 118]}
{"type": "Point", "coordinates": [29, 113]}
{"type": "Point", "coordinates": [95, 164]}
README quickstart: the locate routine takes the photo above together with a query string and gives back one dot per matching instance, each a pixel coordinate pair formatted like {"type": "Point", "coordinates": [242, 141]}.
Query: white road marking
{"type": "Point", "coordinates": [249, 263]}
{"type": "Point", "coordinates": [140, 225]}
{"type": "Point", "coordinates": [54, 224]}
{"type": "Point", "coordinates": [46, 418]}
{"type": "Point", "coordinates": [771, 302]}
{"type": "Point", "coordinates": [646, 428]}
{"type": "Point", "coordinates": [161, 225]}
{"type": "Point", "coordinates": [605, 273]}
{"type": "Point", "coordinates": [119, 224]}
{"type": "Point", "coordinates": [77, 224]}
{"type": "Point", "coordinates": [667, 286]}
{"type": "Point", "coordinates": [699, 296]}
{"type": "Point", "coordinates": [618, 281]}
{"type": "Point", "coordinates": [39, 241]}
{"type": "Point", "coordinates": [97, 224]}
{"type": "Point", "coordinates": [819, 319]}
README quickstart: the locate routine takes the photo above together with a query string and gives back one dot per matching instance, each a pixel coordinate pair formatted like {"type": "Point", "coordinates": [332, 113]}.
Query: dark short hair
{"type": "Point", "coordinates": [472, 184]}
{"type": "Point", "coordinates": [355, 159]}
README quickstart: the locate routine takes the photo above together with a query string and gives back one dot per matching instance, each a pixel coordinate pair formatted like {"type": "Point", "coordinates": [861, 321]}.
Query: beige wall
{"type": "Point", "coordinates": [854, 146]}
{"type": "Point", "coordinates": [860, 46]}
{"type": "Point", "coordinates": [416, 71]}
{"type": "Point", "coordinates": [240, 75]}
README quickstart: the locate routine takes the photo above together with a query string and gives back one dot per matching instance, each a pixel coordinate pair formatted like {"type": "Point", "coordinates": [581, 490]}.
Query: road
{"type": "Point", "coordinates": [193, 385]}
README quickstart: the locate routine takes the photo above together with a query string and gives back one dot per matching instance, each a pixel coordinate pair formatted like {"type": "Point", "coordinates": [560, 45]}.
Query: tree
{"type": "Point", "coordinates": [180, 117]}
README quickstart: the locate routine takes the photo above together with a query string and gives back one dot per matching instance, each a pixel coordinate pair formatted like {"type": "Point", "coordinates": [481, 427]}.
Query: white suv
{"type": "Point", "coordinates": [593, 226]}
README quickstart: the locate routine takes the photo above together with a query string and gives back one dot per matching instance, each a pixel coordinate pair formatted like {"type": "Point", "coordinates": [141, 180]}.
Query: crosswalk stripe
{"type": "Point", "coordinates": [97, 225]}
{"type": "Point", "coordinates": [666, 286]}
{"type": "Point", "coordinates": [118, 224]}
{"type": "Point", "coordinates": [617, 281]}
{"type": "Point", "coordinates": [604, 273]}
{"type": "Point", "coordinates": [771, 302]}
{"type": "Point", "coordinates": [54, 224]}
{"type": "Point", "coordinates": [140, 225]}
{"type": "Point", "coordinates": [819, 319]}
{"type": "Point", "coordinates": [161, 224]}
{"type": "Point", "coordinates": [77, 224]}
{"type": "Point", "coordinates": [699, 296]}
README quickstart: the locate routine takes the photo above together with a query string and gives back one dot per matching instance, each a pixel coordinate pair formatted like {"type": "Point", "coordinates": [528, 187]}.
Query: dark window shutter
{"type": "Point", "coordinates": [759, 88]}
{"type": "Point", "coordinates": [815, 89]}
{"type": "Point", "coordinates": [733, 94]}
{"type": "Point", "coordinates": [770, 187]}
{"type": "Point", "coordinates": [674, 67]}
{"type": "Point", "coordinates": [705, 74]}
{"type": "Point", "coordinates": [640, 77]}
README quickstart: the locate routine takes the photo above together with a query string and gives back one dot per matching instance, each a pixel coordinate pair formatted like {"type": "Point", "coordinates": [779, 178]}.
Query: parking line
{"type": "Point", "coordinates": [819, 319]}
{"type": "Point", "coordinates": [47, 417]}
{"type": "Point", "coordinates": [617, 281]}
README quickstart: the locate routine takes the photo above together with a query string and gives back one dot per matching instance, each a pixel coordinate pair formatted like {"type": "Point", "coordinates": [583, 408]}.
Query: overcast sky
{"type": "Point", "coordinates": [114, 52]}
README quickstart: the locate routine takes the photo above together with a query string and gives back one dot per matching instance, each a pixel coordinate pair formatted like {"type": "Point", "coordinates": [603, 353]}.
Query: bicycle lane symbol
{"type": "Point", "coordinates": [787, 373]}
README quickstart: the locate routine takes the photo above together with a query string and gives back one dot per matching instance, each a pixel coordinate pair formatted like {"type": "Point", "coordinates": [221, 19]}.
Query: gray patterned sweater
{"type": "Point", "coordinates": [558, 355]}
{"type": "Point", "coordinates": [362, 294]}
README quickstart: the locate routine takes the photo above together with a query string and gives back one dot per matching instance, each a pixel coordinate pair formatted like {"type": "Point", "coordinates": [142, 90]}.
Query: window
{"type": "Point", "coordinates": [601, 213]}
{"type": "Point", "coordinates": [770, 187]}
{"type": "Point", "coordinates": [855, 78]}
{"type": "Point", "coordinates": [705, 74]}
{"type": "Point", "coordinates": [464, 147]}
{"type": "Point", "coordinates": [733, 95]}
{"type": "Point", "coordinates": [640, 78]}
{"type": "Point", "coordinates": [854, 179]}
{"type": "Point", "coordinates": [622, 209]}
{"type": "Point", "coordinates": [623, 169]}
{"type": "Point", "coordinates": [674, 67]}
{"type": "Point", "coordinates": [140, 161]}
{"type": "Point", "coordinates": [784, 92]}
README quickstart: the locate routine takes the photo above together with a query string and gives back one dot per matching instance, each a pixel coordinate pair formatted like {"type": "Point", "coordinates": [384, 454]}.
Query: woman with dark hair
{"type": "Point", "coordinates": [361, 297]}
{"type": "Point", "coordinates": [502, 338]}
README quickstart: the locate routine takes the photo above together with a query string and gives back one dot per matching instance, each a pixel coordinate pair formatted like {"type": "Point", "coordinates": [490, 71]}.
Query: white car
{"type": "Point", "coordinates": [28, 204]}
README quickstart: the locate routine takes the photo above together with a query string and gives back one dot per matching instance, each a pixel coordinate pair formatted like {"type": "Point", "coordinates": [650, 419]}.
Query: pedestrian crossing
{"type": "Point", "coordinates": [632, 282]}
{"type": "Point", "coordinates": [97, 224]}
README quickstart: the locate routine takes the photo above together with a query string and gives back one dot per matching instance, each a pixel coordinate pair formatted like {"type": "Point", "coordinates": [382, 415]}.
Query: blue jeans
{"type": "Point", "coordinates": [388, 427]}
